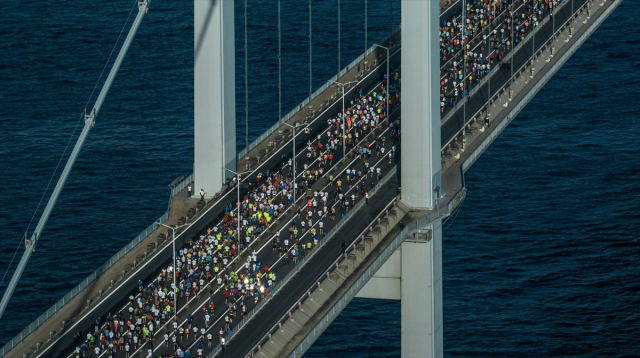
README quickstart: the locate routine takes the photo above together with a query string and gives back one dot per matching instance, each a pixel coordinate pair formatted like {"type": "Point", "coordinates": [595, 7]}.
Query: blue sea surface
{"type": "Point", "coordinates": [542, 259]}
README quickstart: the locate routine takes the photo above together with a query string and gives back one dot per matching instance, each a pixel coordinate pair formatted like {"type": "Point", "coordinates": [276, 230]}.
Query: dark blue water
{"type": "Point", "coordinates": [542, 260]}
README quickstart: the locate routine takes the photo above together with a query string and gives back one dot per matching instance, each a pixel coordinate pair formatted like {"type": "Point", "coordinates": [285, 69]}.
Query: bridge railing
{"type": "Point", "coordinates": [96, 274]}
{"type": "Point", "coordinates": [177, 188]}
{"type": "Point", "coordinates": [313, 96]}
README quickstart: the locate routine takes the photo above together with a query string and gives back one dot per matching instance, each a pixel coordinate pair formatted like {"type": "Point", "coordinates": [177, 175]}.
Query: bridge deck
{"type": "Point", "coordinates": [80, 317]}
{"type": "Point", "coordinates": [308, 320]}
{"type": "Point", "coordinates": [77, 314]}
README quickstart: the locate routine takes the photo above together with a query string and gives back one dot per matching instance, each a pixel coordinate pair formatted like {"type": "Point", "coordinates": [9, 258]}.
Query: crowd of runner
{"type": "Point", "coordinates": [205, 262]}
{"type": "Point", "coordinates": [461, 73]}
{"type": "Point", "coordinates": [203, 266]}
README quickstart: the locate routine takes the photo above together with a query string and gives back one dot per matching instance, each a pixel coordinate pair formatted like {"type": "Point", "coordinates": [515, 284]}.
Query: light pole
{"type": "Point", "coordinates": [386, 48]}
{"type": "Point", "coordinates": [339, 27]}
{"type": "Point", "coordinates": [238, 202]}
{"type": "Point", "coordinates": [294, 126]}
{"type": "Point", "coordinates": [344, 122]}
{"type": "Point", "coordinates": [513, 47]}
{"type": "Point", "coordinates": [246, 81]}
{"type": "Point", "coordinates": [553, 18]}
{"type": "Point", "coordinates": [175, 286]}
{"type": "Point", "coordinates": [279, 66]}
{"type": "Point", "coordinates": [310, 54]}
{"type": "Point", "coordinates": [533, 38]}
{"type": "Point", "coordinates": [490, 45]}
{"type": "Point", "coordinates": [464, 62]}
{"type": "Point", "coordinates": [366, 19]}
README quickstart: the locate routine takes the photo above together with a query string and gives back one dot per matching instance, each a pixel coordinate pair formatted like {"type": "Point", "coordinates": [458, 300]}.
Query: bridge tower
{"type": "Point", "coordinates": [421, 268]}
{"type": "Point", "coordinates": [214, 93]}
{"type": "Point", "coordinates": [414, 273]}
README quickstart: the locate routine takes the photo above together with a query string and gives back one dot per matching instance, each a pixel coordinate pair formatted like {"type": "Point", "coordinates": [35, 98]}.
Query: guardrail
{"type": "Point", "coordinates": [95, 274]}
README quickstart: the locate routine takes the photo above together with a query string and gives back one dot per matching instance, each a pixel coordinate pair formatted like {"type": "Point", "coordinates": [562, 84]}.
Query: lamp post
{"type": "Point", "coordinates": [490, 45]}
{"type": "Point", "coordinates": [344, 123]}
{"type": "Point", "coordinates": [175, 286]}
{"type": "Point", "coordinates": [464, 63]}
{"type": "Point", "coordinates": [513, 47]}
{"type": "Point", "coordinates": [553, 18]}
{"type": "Point", "coordinates": [238, 202]}
{"type": "Point", "coordinates": [294, 126]}
{"type": "Point", "coordinates": [339, 28]}
{"type": "Point", "coordinates": [310, 54]}
{"type": "Point", "coordinates": [279, 66]}
{"type": "Point", "coordinates": [366, 20]}
{"type": "Point", "coordinates": [386, 48]}
{"type": "Point", "coordinates": [246, 81]}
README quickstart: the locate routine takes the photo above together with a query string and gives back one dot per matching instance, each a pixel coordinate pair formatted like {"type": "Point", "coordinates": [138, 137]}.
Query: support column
{"type": "Point", "coordinates": [420, 102]}
{"type": "Point", "coordinates": [214, 94]}
{"type": "Point", "coordinates": [421, 304]}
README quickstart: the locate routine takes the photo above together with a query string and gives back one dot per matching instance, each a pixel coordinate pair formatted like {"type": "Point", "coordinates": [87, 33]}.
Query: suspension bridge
{"type": "Point", "coordinates": [385, 242]}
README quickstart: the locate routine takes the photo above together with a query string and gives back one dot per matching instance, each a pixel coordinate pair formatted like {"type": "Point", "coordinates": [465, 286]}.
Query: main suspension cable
{"type": "Point", "coordinates": [66, 147]}
{"type": "Point", "coordinates": [89, 120]}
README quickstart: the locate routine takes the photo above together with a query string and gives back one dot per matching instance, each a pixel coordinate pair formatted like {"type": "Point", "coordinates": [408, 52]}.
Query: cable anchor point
{"type": "Point", "coordinates": [89, 118]}
{"type": "Point", "coordinates": [145, 4]}
{"type": "Point", "coordinates": [29, 244]}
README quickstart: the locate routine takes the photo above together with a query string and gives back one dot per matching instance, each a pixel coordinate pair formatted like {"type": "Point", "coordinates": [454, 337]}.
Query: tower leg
{"type": "Point", "coordinates": [420, 103]}
{"type": "Point", "coordinates": [214, 94]}
{"type": "Point", "coordinates": [421, 304]}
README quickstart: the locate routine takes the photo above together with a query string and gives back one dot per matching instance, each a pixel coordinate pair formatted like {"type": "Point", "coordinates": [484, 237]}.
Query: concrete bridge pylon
{"type": "Point", "coordinates": [214, 94]}
{"type": "Point", "coordinates": [414, 273]}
